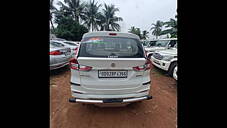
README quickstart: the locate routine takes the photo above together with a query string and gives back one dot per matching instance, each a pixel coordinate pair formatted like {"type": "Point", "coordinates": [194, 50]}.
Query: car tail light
{"type": "Point", "coordinates": [85, 68]}
{"type": "Point", "coordinates": [75, 65]}
{"type": "Point", "coordinates": [146, 66]}
{"type": "Point", "coordinates": [112, 34]}
{"type": "Point", "coordinates": [55, 52]}
{"type": "Point", "coordinates": [76, 50]}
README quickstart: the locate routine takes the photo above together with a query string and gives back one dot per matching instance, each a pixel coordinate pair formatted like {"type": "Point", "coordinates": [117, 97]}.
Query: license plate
{"type": "Point", "coordinates": [112, 74]}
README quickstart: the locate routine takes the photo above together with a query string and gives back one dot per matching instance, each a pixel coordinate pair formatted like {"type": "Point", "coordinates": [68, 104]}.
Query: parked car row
{"type": "Point", "coordinates": [166, 60]}
{"type": "Point", "coordinates": [112, 68]}
{"type": "Point", "coordinates": [61, 51]}
{"type": "Point", "coordinates": [163, 54]}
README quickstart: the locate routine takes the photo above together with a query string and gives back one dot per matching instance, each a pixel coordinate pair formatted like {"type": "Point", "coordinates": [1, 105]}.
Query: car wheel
{"type": "Point", "coordinates": [171, 68]}
{"type": "Point", "coordinates": [175, 73]}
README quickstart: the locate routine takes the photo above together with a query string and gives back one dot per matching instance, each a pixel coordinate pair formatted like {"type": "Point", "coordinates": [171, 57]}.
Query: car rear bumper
{"type": "Point", "coordinates": [103, 101]}
{"type": "Point", "coordinates": [58, 65]}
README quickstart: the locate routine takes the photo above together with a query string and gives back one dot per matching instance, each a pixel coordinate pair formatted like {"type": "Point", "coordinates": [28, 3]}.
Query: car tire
{"type": "Point", "coordinates": [175, 73]}
{"type": "Point", "coordinates": [171, 68]}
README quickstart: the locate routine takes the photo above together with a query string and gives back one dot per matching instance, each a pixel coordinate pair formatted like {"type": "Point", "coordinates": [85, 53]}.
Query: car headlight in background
{"type": "Point", "coordinates": [167, 58]}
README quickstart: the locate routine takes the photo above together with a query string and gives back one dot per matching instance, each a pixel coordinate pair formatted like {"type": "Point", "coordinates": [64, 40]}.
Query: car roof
{"type": "Point", "coordinates": [106, 34]}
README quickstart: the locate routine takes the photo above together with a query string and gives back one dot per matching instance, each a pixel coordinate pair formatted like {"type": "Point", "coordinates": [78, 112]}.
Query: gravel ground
{"type": "Point", "coordinates": [159, 112]}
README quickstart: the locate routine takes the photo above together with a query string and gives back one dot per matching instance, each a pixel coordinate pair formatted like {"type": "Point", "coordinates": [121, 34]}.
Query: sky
{"type": "Point", "coordinates": [141, 13]}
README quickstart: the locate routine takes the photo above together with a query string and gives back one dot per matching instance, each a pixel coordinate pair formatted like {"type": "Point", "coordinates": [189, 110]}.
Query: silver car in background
{"type": "Point", "coordinates": [72, 45]}
{"type": "Point", "coordinates": [59, 55]}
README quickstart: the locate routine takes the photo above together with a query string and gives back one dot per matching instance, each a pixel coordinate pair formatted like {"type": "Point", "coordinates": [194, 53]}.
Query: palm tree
{"type": "Point", "coordinates": [157, 28]}
{"type": "Point", "coordinates": [91, 15]}
{"type": "Point", "coordinates": [74, 7]}
{"type": "Point", "coordinates": [52, 11]}
{"type": "Point", "coordinates": [144, 34]}
{"type": "Point", "coordinates": [101, 21]}
{"type": "Point", "coordinates": [172, 28]}
{"type": "Point", "coordinates": [135, 31]}
{"type": "Point", "coordinates": [132, 30]}
{"type": "Point", "coordinates": [109, 18]}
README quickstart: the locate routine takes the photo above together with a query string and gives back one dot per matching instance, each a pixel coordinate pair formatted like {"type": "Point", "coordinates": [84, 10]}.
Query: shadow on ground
{"type": "Point", "coordinates": [159, 71]}
{"type": "Point", "coordinates": [59, 71]}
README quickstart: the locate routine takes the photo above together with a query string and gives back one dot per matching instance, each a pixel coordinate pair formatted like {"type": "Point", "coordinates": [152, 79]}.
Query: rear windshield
{"type": "Point", "coordinates": [111, 47]}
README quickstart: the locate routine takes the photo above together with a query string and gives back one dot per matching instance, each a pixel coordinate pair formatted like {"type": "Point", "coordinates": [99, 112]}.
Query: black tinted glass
{"type": "Point", "coordinates": [111, 47]}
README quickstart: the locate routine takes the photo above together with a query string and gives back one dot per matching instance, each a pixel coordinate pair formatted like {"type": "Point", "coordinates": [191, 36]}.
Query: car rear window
{"type": "Point", "coordinates": [111, 47]}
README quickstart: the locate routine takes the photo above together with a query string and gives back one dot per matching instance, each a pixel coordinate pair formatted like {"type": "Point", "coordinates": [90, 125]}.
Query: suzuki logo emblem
{"type": "Point", "coordinates": [113, 65]}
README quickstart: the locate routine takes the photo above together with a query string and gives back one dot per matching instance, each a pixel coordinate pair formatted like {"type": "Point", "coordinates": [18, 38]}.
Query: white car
{"type": "Point", "coordinates": [148, 44]}
{"type": "Point", "coordinates": [110, 68]}
{"type": "Point", "coordinates": [166, 60]}
{"type": "Point", "coordinates": [161, 44]}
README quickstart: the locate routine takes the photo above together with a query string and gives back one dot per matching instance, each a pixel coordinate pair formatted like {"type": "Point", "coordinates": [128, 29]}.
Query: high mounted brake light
{"type": "Point", "coordinates": [112, 34]}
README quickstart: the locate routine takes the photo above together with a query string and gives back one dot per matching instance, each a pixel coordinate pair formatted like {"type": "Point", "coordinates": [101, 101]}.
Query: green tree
{"type": "Point", "coordinates": [91, 15]}
{"type": "Point", "coordinates": [135, 31]}
{"type": "Point", "coordinates": [74, 8]}
{"type": "Point", "coordinates": [101, 21]}
{"type": "Point", "coordinates": [172, 28]}
{"type": "Point", "coordinates": [108, 18]}
{"type": "Point", "coordinates": [144, 35]}
{"type": "Point", "coordinates": [52, 11]}
{"type": "Point", "coordinates": [157, 28]}
{"type": "Point", "coordinates": [70, 29]}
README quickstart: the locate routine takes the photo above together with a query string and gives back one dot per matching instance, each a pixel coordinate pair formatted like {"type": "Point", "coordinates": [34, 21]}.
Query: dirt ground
{"type": "Point", "coordinates": [159, 112]}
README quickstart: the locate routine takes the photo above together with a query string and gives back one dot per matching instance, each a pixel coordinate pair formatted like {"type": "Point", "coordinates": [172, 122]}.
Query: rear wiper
{"type": "Point", "coordinates": [112, 54]}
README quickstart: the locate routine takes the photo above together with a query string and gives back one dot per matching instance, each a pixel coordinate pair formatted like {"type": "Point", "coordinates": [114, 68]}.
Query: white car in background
{"type": "Point", "coordinates": [166, 60]}
{"type": "Point", "coordinates": [161, 44]}
{"type": "Point", "coordinates": [110, 68]}
{"type": "Point", "coordinates": [148, 44]}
